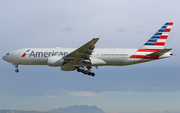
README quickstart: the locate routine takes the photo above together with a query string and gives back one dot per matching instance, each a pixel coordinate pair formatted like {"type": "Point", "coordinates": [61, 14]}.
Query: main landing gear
{"type": "Point", "coordinates": [86, 72]}
{"type": "Point", "coordinates": [16, 66]}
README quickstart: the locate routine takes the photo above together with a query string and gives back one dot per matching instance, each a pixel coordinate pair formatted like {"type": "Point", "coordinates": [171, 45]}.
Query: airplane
{"type": "Point", "coordinates": [87, 56]}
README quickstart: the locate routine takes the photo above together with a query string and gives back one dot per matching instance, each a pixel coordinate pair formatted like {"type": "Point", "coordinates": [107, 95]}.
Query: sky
{"type": "Point", "coordinates": [151, 87]}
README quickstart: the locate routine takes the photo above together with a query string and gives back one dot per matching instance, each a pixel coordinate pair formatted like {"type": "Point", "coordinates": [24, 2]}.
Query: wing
{"type": "Point", "coordinates": [83, 53]}
{"type": "Point", "coordinates": [161, 52]}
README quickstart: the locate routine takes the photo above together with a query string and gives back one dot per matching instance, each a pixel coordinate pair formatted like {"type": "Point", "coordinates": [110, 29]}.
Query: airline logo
{"type": "Point", "coordinates": [47, 54]}
{"type": "Point", "coordinates": [155, 43]}
{"type": "Point", "coordinates": [43, 54]}
{"type": "Point", "coordinates": [25, 53]}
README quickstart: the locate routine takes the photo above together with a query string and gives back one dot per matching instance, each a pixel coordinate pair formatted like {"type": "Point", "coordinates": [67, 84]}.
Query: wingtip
{"type": "Point", "coordinates": [168, 48]}
{"type": "Point", "coordinates": [95, 38]}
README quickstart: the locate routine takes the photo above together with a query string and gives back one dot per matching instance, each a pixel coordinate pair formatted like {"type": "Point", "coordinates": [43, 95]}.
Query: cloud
{"type": "Point", "coordinates": [142, 112]}
{"type": "Point", "coordinates": [120, 30]}
{"type": "Point", "coordinates": [48, 96]}
{"type": "Point", "coordinates": [82, 93]}
{"type": "Point", "coordinates": [68, 29]}
{"type": "Point", "coordinates": [167, 112]}
{"type": "Point", "coordinates": [140, 32]}
{"type": "Point", "coordinates": [120, 112]}
{"type": "Point", "coordinates": [50, 82]}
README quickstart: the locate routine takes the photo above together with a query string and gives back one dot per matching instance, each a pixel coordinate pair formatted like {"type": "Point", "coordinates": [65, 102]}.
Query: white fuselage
{"type": "Point", "coordinates": [70, 59]}
{"type": "Point", "coordinates": [111, 57]}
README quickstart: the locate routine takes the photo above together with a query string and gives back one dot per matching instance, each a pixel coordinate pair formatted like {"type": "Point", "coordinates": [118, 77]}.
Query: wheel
{"type": "Point", "coordinates": [78, 70]}
{"type": "Point", "coordinates": [86, 72]}
{"type": "Point", "coordinates": [17, 70]}
{"type": "Point", "coordinates": [92, 74]}
{"type": "Point", "coordinates": [89, 73]}
{"type": "Point", "coordinates": [83, 71]}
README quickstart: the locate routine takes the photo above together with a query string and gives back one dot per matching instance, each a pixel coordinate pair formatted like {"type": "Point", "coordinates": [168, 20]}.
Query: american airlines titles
{"type": "Point", "coordinates": [47, 54]}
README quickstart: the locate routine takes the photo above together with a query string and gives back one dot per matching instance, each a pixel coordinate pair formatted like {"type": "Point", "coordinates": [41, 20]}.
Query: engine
{"type": "Point", "coordinates": [68, 68]}
{"type": "Point", "coordinates": [97, 61]}
{"type": "Point", "coordinates": [55, 61]}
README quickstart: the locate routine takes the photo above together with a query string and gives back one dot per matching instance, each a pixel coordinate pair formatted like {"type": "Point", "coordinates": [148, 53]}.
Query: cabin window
{"type": "Point", "coordinates": [114, 54]}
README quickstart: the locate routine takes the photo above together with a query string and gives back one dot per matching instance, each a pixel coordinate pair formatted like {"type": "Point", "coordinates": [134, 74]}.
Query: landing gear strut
{"type": "Point", "coordinates": [16, 66]}
{"type": "Point", "coordinates": [86, 72]}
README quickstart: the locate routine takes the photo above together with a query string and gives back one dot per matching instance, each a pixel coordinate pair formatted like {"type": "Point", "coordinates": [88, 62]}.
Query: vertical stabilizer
{"type": "Point", "coordinates": [157, 41]}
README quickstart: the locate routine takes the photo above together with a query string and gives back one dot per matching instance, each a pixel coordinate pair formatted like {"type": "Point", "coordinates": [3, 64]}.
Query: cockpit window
{"type": "Point", "coordinates": [7, 54]}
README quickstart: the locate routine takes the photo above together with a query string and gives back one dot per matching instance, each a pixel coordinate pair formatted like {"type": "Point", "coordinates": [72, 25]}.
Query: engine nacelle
{"type": "Point", "coordinates": [68, 68]}
{"type": "Point", "coordinates": [55, 61]}
{"type": "Point", "coordinates": [97, 61]}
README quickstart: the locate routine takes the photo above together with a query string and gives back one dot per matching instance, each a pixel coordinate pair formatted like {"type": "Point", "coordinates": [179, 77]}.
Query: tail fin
{"type": "Point", "coordinates": [157, 41]}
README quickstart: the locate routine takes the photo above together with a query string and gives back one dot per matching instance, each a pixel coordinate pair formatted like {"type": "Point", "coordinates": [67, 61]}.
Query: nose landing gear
{"type": "Point", "coordinates": [16, 66]}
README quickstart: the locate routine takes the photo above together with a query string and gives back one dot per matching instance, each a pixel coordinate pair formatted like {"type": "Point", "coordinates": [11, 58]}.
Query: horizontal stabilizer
{"type": "Point", "coordinates": [160, 52]}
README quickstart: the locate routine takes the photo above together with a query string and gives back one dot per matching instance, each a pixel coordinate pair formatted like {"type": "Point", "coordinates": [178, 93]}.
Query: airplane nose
{"type": "Point", "coordinates": [4, 58]}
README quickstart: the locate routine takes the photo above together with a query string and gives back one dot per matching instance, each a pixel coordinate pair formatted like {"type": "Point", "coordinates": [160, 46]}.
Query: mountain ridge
{"type": "Point", "coordinates": [69, 109]}
{"type": "Point", "coordinates": [77, 109]}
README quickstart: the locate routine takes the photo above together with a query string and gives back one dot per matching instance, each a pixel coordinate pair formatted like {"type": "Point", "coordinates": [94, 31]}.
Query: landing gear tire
{"type": "Point", "coordinates": [17, 70]}
{"type": "Point", "coordinates": [86, 72]}
{"type": "Point", "coordinates": [83, 71]}
{"type": "Point", "coordinates": [16, 66]}
{"type": "Point", "coordinates": [92, 74]}
{"type": "Point", "coordinates": [78, 70]}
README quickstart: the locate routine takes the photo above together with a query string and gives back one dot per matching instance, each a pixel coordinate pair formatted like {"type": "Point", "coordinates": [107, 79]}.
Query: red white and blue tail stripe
{"type": "Point", "coordinates": [157, 41]}
{"type": "Point", "coordinates": [154, 44]}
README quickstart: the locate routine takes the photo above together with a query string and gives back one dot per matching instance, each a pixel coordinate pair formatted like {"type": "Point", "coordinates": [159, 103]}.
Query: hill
{"type": "Point", "coordinates": [19, 111]}
{"type": "Point", "coordinates": [78, 109]}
